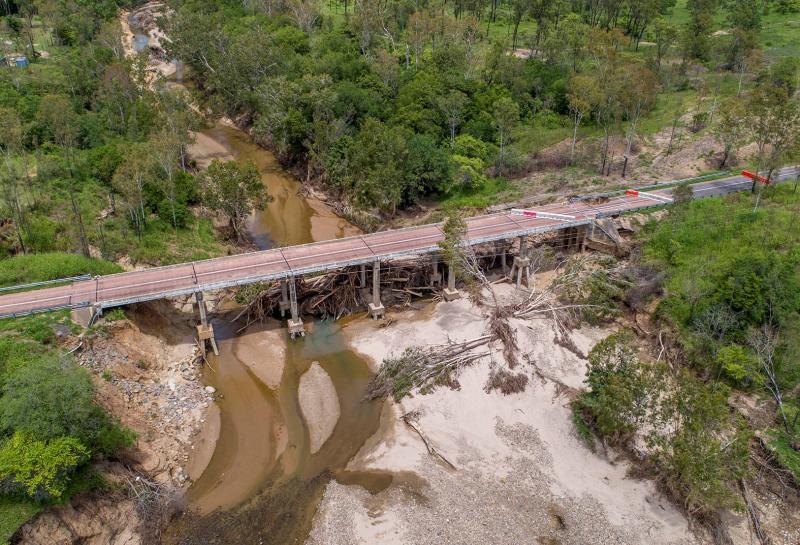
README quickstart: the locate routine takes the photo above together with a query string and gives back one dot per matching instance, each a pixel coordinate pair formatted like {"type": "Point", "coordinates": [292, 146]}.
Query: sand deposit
{"type": "Point", "coordinates": [264, 353]}
{"type": "Point", "coordinates": [522, 475]}
{"type": "Point", "coordinates": [319, 404]}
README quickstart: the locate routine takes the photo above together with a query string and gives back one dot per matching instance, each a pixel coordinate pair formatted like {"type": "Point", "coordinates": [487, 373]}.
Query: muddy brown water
{"type": "Point", "coordinates": [290, 218]}
{"type": "Point", "coordinates": [262, 484]}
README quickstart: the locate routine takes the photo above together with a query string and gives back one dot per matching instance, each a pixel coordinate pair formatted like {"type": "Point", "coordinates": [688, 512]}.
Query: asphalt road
{"type": "Point", "coordinates": [160, 282]}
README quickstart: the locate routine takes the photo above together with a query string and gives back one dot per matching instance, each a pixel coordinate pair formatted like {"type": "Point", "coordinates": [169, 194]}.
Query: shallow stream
{"type": "Point", "coordinates": [263, 483]}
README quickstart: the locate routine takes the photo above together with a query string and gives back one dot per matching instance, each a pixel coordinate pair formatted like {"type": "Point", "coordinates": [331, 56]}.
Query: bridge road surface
{"type": "Point", "coordinates": [170, 281]}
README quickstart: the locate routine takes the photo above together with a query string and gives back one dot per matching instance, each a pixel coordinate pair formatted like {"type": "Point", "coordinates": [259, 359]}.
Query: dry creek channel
{"type": "Point", "coordinates": [266, 476]}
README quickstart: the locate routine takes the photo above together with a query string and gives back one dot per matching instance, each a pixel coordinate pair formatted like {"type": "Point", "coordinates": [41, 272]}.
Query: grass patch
{"type": "Point", "coordinates": [495, 190]}
{"type": "Point", "coordinates": [14, 512]}
{"type": "Point", "coordinates": [50, 266]}
{"type": "Point", "coordinates": [781, 445]}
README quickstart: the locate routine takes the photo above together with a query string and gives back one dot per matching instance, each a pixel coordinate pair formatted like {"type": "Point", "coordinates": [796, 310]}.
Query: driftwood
{"type": "Point", "coordinates": [762, 536]}
{"type": "Point", "coordinates": [410, 419]}
{"type": "Point", "coordinates": [424, 367]}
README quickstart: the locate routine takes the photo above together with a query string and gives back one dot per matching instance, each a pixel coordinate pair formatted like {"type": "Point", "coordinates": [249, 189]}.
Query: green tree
{"type": "Point", "coordinates": [665, 34]}
{"type": "Point", "coordinates": [696, 39]}
{"type": "Point", "coordinates": [729, 128]}
{"type": "Point", "coordinates": [428, 167]}
{"type": "Point", "coordinates": [583, 96]}
{"type": "Point", "coordinates": [10, 146]}
{"type": "Point", "coordinates": [452, 107]}
{"type": "Point", "coordinates": [378, 163]}
{"type": "Point", "coordinates": [639, 92]}
{"type": "Point", "coordinates": [506, 117]}
{"type": "Point", "coordinates": [234, 190]}
{"type": "Point", "coordinates": [130, 179]}
{"type": "Point", "coordinates": [576, 36]}
{"type": "Point", "coordinates": [40, 469]}
{"type": "Point", "coordinates": [58, 115]}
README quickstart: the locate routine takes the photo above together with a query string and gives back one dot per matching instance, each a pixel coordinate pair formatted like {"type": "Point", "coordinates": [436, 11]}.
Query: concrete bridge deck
{"type": "Point", "coordinates": [284, 263]}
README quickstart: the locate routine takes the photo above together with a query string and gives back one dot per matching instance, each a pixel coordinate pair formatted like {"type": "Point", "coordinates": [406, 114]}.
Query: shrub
{"type": "Point", "coordinates": [40, 469]}
{"type": "Point", "coordinates": [622, 387]}
{"type": "Point", "coordinates": [467, 145]}
{"type": "Point", "coordinates": [51, 398]}
{"type": "Point", "coordinates": [738, 365]}
{"type": "Point", "coordinates": [702, 460]}
{"type": "Point", "coordinates": [469, 172]}
{"type": "Point", "coordinates": [699, 447]}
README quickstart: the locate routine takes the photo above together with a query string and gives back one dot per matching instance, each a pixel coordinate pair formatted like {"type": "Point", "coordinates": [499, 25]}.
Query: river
{"type": "Point", "coordinates": [263, 482]}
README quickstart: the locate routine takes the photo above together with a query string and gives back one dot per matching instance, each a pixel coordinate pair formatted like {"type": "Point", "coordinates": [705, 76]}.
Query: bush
{"type": "Point", "coordinates": [40, 469]}
{"type": "Point", "coordinates": [698, 446]}
{"type": "Point", "coordinates": [739, 365]}
{"type": "Point", "coordinates": [50, 398]}
{"type": "Point", "coordinates": [469, 172]}
{"type": "Point", "coordinates": [621, 387]}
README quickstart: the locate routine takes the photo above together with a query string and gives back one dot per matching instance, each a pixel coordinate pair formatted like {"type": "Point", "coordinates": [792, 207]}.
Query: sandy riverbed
{"type": "Point", "coordinates": [522, 475]}
{"type": "Point", "coordinates": [319, 405]}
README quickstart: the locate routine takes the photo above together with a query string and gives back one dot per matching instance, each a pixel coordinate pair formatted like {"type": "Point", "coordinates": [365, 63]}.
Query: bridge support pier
{"type": "Point", "coordinates": [436, 276]}
{"type": "Point", "coordinates": [522, 264]}
{"type": "Point", "coordinates": [588, 232]}
{"type": "Point", "coordinates": [295, 323]}
{"type": "Point", "coordinates": [363, 275]}
{"type": "Point", "coordinates": [376, 308]}
{"type": "Point", "coordinates": [450, 292]}
{"type": "Point", "coordinates": [283, 304]}
{"type": "Point", "coordinates": [205, 331]}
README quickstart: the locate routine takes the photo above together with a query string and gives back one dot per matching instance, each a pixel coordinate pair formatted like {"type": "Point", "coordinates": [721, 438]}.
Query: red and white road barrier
{"type": "Point", "coordinates": [757, 177]}
{"type": "Point", "coordinates": [540, 214]}
{"type": "Point", "coordinates": [645, 195]}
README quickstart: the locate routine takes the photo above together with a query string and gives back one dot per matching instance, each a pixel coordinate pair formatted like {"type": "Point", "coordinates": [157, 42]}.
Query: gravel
{"type": "Point", "coordinates": [470, 507]}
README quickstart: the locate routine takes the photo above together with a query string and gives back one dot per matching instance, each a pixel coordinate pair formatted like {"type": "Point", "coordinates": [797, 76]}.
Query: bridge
{"type": "Point", "coordinates": [284, 264]}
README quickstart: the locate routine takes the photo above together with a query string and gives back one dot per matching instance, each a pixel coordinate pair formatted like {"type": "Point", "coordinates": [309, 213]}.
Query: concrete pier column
{"type": "Point", "coordinates": [503, 262]}
{"type": "Point", "coordinates": [295, 323]}
{"type": "Point", "coordinates": [283, 304]}
{"type": "Point", "coordinates": [205, 331]}
{"type": "Point", "coordinates": [588, 231]}
{"type": "Point", "coordinates": [363, 275]}
{"type": "Point", "coordinates": [435, 276]}
{"type": "Point", "coordinates": [450, 292]}
{"type": "Point", "coordinates": [376, 308]}
{"type": "Point", "coordinates": [522, 264]}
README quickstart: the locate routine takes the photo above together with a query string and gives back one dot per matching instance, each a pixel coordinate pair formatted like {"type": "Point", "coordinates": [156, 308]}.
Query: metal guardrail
{"type": "Point", "coordinates": [47, 283]}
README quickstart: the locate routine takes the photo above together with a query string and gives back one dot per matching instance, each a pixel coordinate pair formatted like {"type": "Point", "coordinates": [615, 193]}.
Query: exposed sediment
{"type": "Point", "coordinates": [319, 405]}
{"type": "Point", "coordinates": [521, 473]}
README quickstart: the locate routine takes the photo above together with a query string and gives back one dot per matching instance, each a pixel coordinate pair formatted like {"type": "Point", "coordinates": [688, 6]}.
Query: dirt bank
{"type": "Point", "coordinates": [146, 372]}
{"type": "Point", "coordinates": [522, 475]}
